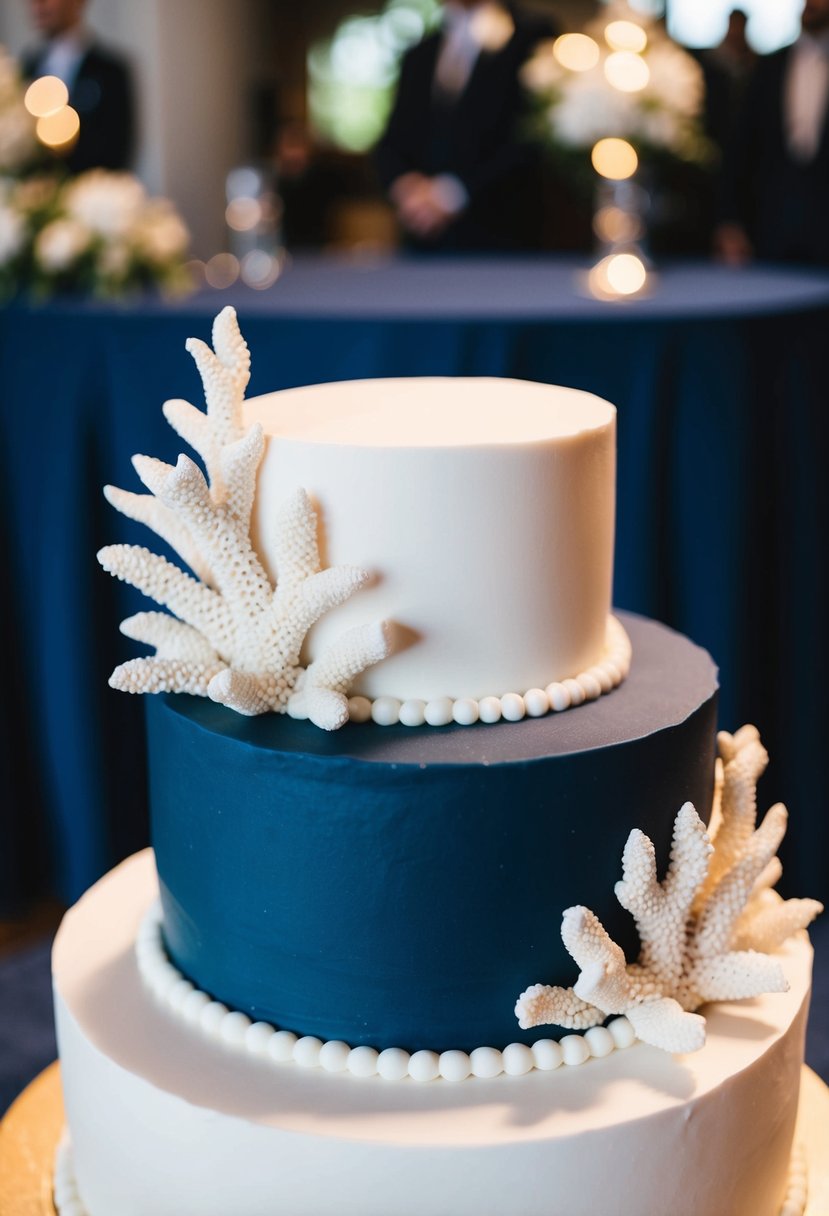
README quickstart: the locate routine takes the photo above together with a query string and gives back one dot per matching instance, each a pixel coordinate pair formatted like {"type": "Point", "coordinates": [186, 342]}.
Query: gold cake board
{"type": "Point", "coordinates": [31, 1129]}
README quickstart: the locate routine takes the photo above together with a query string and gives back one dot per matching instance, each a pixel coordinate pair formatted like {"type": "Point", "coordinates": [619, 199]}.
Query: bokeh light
{"type": "Point", "coordinates": [260, 269]}
{"type": "Point", "coordinates": [619, 276]}
{"type": "Point", "coordinates": [626, 273]}
{"type": "Point", "coordinates": [626, 71]}
{"type": "Point", "coordinates": [615, 159]}
{"type": "Point", "coordinates": [222, 270]}
{"type": "Point", "coordinates": [46, 96]}
{"type": "Point", "coordinates": [576, 52]}
{"type": "Point", "coordinates": [615, 226]}
{"type": "Point", "coordinates": [60, 129]}
{"type": "Point", "coordinates": [625, 36]}
{"type": "Point", "coordinates": [243, 214]}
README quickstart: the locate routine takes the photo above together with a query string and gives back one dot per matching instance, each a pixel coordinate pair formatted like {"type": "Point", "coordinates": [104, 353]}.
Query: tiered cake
{"type": "Point", "coordinates": [323, 1012]}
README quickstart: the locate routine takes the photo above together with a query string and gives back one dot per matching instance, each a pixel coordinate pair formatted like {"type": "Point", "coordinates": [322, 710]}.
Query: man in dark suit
{"type": "Point", "coordinates": [454, 159]}
{"type": "Point", "coordinates": [776, 176]}
{"type": "Point", "coordinates": [98, 81]}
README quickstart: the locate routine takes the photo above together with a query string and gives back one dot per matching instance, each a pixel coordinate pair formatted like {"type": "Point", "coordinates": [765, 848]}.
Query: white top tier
{"type": "Point", "coordinates": [484, 508]}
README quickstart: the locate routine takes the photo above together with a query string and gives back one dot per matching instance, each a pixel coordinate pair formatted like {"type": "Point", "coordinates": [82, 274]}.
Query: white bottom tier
{"type": "Point", "coordinates": [166, 1121]}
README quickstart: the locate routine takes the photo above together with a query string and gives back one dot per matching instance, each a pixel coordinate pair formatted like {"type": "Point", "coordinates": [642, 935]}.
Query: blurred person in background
{"type": "Point", "coordinates": [727, 69]}
{"type": "Point", "coordinates": [453, 160]}
{"type": "Point", "coordinates": [98, 80]}
{"type": "Point", "coordinates": [776, 174]}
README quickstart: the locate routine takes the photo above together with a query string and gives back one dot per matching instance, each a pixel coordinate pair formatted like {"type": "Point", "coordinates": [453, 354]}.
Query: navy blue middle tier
{"type": "Point", "coordinates": [400, 887]}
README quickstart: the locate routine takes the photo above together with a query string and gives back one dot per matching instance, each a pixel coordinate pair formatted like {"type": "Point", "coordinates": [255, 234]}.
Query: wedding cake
{"type": "Point", "coordinates": [413, 940]}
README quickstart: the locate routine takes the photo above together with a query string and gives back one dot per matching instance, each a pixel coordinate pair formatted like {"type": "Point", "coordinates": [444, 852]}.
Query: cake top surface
{"type": "Point", "coordinates": [430, 412]}
{"type": "Point", "coordinates": [670, 680]}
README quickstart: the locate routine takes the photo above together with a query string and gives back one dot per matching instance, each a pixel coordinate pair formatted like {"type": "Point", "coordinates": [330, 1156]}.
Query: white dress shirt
{"type": "Point", "coordinates": [64, 55]}
{"type": "Point", "coordinates": [806, 95]}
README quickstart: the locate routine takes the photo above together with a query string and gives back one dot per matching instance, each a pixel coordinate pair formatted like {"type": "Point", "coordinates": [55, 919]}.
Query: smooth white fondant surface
{"type": "Point", "coordinates": [164, 1120]}
{"type": "Point", "coordinates": [484, 507]}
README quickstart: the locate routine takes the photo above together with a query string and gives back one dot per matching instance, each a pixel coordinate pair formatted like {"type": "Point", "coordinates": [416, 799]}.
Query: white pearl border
{"type": "Point", "coordinates": [235, 1030]}
{"type": "Point", "coordinates": [587, 685]}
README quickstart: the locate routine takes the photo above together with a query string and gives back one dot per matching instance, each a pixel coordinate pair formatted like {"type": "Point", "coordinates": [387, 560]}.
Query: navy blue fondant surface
{"type": "Point", "coordinates": [401, 887]}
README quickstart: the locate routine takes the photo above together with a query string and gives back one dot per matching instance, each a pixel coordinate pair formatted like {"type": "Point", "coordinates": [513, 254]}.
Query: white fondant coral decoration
{"type": "Point", "coordinates": [233, 636]}
{"type": "Point", "coordinates": [706, 930]}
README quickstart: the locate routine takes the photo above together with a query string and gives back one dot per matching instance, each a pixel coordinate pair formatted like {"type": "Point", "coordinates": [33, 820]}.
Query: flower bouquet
{"type": "Point", "coordinates": [98, 233]}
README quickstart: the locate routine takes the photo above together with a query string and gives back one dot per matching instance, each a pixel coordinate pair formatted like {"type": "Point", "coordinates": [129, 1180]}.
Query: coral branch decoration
{"type": "Point", "coordinates": [706, 930]}
{"type": "Point", "coordinates": [232, 637]}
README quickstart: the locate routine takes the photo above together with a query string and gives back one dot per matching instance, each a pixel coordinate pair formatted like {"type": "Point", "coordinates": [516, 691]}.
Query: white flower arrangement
{"type": "Point", "coordinates": [96, 233]}
{"type": "Point", "coordinates": [624, 78]}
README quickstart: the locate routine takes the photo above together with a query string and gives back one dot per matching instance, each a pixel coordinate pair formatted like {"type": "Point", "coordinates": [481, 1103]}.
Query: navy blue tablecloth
{"type": "Point", "coordinates": [722, 383]}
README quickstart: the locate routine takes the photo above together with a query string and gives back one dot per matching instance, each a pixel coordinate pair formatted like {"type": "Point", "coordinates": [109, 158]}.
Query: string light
{"type": "Point", "coordinates": [626, 71]}
{"type": "Point", "coordinates": [625, 36]}
{"type": "Point", "coordinates": [60, 129]}
{"type": "Point", "coordinates": [576, 52]}
{"type": "Point", "coordinates": [243, 214]}
{"type": "Point", "coordinates": [619, 275]}
{"type": "Point", "coordinates": [46, 96]}
{"type": "Point", "coordinates": [614, 158]}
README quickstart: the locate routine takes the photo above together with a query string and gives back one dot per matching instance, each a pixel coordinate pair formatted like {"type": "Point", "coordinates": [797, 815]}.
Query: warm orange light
{"type": "Point", "coordinates": [615, 159]}
{"type": "Point", "coordinates": [626, 71]}
{"type": "Point", "coordinates": [60, 129]}
{"type": "Point", "coordinates": [626, 36]}
{"type": "Point", "coordinates": [576, 52]}
{"type": "Point", "coordinates": [46, 96]}
{"type": "Point", "coordinates": [616, 226]}
{"type": "Point", "coordinates": [222, 270]}
{"type": "Point", "coordinates": [626, 273]}
{"type": "Point", "coordinates": [243, 214]}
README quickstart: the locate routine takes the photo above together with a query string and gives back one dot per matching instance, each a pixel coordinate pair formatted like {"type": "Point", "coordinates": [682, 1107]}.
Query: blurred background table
{"type": "Point", "coordinates": [721, 379]}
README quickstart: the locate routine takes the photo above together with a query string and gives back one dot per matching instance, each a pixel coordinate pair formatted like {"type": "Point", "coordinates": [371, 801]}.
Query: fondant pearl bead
{"type": "Point", "coordinates": [393, 1064]}
{"type": "Point", "coordinates": [212, 1017]}
{"type": "Point", "coordinates": [574, 1050]}
{"type": "Point", "coordinates": [233, 1029]}
{"type": "Point", "coordinates": [166, 977]}
{"type": "Point", "coordinates": [362, 1061]}
{"type": "Point", "coordinates": [424, 1066]}
{"type": "Point", "coordinates": [486, 1062]}
{"type": "Point", "coordinates": [178, 994]}
{"type": "Point", "coordinates": [413, 713]}
{"type": "Point", "coordinates": [454, 1065]}
{"type": "Point", "coordinates": [385, 711]}
{"type": "Point", "coordinates": [281, 1046]}
{"type": "Point", "coordinates": [439, 711]}
{"type": "Point", "coordinates": [334, 1056]}
{"type": "Point", "coordinates": [590, 686]}
{"type": "Point", "coordinates": [536, 702]}
{"type": "Point", "coordinates": [559, 697]}
{"type": "Point", "coordinates": [600, 1041]}
{"type": "Point", "coordinates": [359, 709]}
{"type": "Point", "coordinates": [465, 712]}
{"type": "Point", "coordinates": [518, 1059]}
{"type": "Point", "coordinates": [546, 1054]}
{"type": "Point", "coordinates": [193, 1005]}
{"type": "Point", "coordinates": [489, 709]}
{"type": "Point", "coordinates": [576, 692]}
{"type": "Point", "coordinates": [600, 674]}
{"type": "Point", "coordinates": [257, 1038]}
{"type": "Point", "coordinates": [614, 673]}
{"type": "Point", "coordinates": [512, 707]}
{"type": "Point", "coordinates": [623, 1033]}
{"type": "Point", "coordinates": [307, 1051]}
